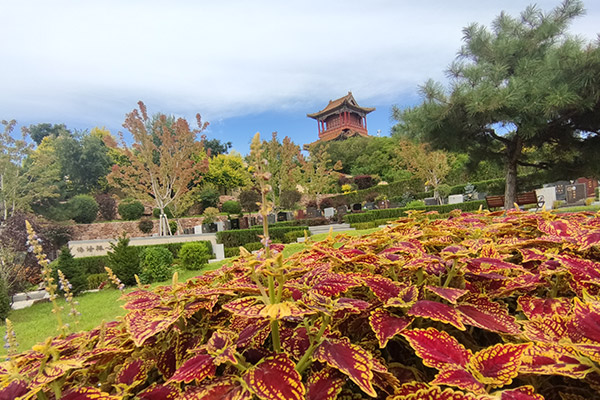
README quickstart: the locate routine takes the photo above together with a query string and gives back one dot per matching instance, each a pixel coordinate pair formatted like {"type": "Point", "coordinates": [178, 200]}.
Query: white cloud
{"type": "Point", "coordinates": [90, 61]}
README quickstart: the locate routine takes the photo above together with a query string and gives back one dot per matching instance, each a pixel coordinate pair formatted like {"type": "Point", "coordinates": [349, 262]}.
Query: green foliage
{"type": "Point", "coordinates": [289, 198]}
{"type": "Point", "coordinates": [39, 131]}
{"type": "Point", "coordinates": [194, 255]}
{"type": "Point", "coordinates": [240, 237]}
{"type": "Point", "coordinates": [167, 211]}
{"type": "Point", "coordinates": [123, 260]}
{"type": "Point", "coordinates": [290, 237]}
{"type": "Point", "coordinates": [4, 299]}
{"type": "Point", "coordinates": [70, 268]}
{"type": "Point", "coordinates": [155, 264]}
{"type": "Point", "coordinates": [235, 251]}
{"type": "Point", "coordinates": [91, 265]}
{"type": "Point", "coordinates": [209, 197]}
{"type": "Point", "coordinates": [227, 172]}
{"type": "Point", "coordinates": [83, 209]}
{"type": "Point", "coordinates": [210, 215]}
{"type": "Point", "coordinates": [173, 226]}
{"type": "Point", "coordinates": [231, 207]}
{"type": "Point", "coordinates": [95, 280]}
{"type": "Point", "coordinates": [216, 147]}
{"type": "Point", "coordinates": [130, 210]}
{"type": "Point", "coordinates": [146, 225]}
{"type": "Point", "coordinates": [415, 203]}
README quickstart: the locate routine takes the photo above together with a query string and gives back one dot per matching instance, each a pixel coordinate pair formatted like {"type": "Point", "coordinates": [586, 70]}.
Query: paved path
{"type": "Point", "coordinates": [23, 300]}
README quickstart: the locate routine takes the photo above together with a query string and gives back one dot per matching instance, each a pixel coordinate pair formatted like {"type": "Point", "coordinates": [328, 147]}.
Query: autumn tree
{"type": "Point", "coordinates": [430, 166]}
{"type": "Point", "coordinates": [523, 84]}
{"type": "Point", "coordinates": [318, 172]}
{"type": "Point", "coordinates": [160, 173]}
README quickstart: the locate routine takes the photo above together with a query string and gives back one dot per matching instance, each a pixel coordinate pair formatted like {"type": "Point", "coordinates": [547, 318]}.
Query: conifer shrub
{"type": "Point", "coordinates": [4, 300]}
{"type": "Point", "coordinates": [155, 264]}
{"type": "Point", "coordinates": [130, 210]}
{"type": "Point", "coordinates": [231, 207]}
{"type": "Point", "coordinates": [83, 209]}
{"type": "Point", "coordinates": [146, 226]}
{"type": "Point", "coordinates": [194, 255]}
{"type": "Point", "coordinates": [70, 268]}
{"type": "Point", "coordinates": [123, 260]}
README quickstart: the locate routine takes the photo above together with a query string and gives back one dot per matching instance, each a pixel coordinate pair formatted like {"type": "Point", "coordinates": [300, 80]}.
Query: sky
{"type": "Point", "coordinates": [245, 66]}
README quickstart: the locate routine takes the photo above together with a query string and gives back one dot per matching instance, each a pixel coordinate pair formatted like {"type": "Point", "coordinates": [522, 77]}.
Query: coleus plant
{"type": "Point", "coordinates": [475, 306]}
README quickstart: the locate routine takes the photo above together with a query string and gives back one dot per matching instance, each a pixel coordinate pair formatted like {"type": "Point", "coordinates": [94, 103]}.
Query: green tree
{"type": "Point", "coordinates": [524, 84]}
{"type": "Point", "coordinates": [215, 147]}
{"type": "Point", "coordinates": [12, 153]}
{"type": "Point", "coordinates": [74, 274]}
{"type": "Point", "coordinates": [318, 172]}
{"type": "Point", "coordinates": [40, 131]}
{"type": "Point", "coordinates": [124, 261]}
{"type": "Point", "coordinates": [161, 174]}
{"type": "Point", "coordinates": [227, 172]}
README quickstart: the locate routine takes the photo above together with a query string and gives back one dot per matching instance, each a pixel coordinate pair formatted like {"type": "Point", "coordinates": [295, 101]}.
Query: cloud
{"type": "Point", "coordinates": [90, 61]}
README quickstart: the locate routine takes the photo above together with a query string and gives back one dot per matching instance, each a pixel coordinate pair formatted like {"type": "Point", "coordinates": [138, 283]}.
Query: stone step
{"type": "Point", "coordinates": [36, 295]}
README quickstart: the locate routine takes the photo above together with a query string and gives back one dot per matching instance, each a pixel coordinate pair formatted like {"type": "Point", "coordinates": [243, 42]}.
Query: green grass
{"type": "Point", "coordinates": [578, 209]}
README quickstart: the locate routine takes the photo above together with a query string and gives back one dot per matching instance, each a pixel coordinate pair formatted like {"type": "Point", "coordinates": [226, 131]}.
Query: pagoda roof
{"type": "Point", "coordinates": [347, 100]}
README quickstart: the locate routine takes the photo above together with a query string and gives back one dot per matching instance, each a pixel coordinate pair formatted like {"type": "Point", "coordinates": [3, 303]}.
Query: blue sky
{"type": "Point", "coordinates": [245, 66]}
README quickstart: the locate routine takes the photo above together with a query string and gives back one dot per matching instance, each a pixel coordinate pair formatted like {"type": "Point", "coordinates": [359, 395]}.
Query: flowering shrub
{"type": "Point", "coordinates": [475, 306]}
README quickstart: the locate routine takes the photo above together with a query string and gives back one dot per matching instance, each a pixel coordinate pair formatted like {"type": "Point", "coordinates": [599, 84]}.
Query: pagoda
{"type": "Point", "coordinates": [341, 119]}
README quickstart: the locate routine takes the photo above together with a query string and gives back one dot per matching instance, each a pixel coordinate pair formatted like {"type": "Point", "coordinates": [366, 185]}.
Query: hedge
{"type": "Point", "coordinates": [239, 237]}
{"type": "Point", "coordinates": [235, 251]}
{"type": "Point", "coordinates": [391, 213]}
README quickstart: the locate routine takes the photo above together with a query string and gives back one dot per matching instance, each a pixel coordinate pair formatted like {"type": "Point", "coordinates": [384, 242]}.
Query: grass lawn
{"type": "Point", "coordinates": [36, 323]}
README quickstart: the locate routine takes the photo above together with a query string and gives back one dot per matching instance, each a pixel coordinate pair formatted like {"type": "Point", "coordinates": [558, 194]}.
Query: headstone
{"type": "Point", "coordinates": [244, 223]}
{"type": "Point", "coordinates": [329, 212]}
{"type": "Point", "coordinates": [455, 199]}
{"type": "Point", "coordinates": [219, 250]}
{"type": "Point", "coordinates": [220, 226]}
{"type": "Point", "coordinates": [430, 201]}
{"type": "Point", "coordinates": [282, 216]}
{"type": "Point", "coordinates": [590, 185]}
{"type": "Point", "coordinates": [560, 188]}
{"type": "Point", "coordinates": [370, 205]}
{"type": "Point", "coordinates": [342, 210]}
{"type": "Point", "coordinates": [312, 212]}
{"type": "Point", "coordinates": [356, 207]}
{"type": "Point", "coordinates": [271, 218]}
{"type": "Point", "coordinates": [301, 214]}
{"type": "Point", "coordinates": [576, 193]}
{"type": "Point", "coordinates": [198, 229]}
{"type": "Point", "coordinates": [235, 223]}
{"type": "Point", "coordinates": [209, 228]}
{"type": "Point", "coordinates": [549, 195]}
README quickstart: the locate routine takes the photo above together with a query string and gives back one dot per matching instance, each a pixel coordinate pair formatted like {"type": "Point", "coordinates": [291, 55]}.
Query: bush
{"type": "Point", "coordinates": [107, 206]}
{"type": "Point", "coordinates": [289, 199]}
{"type": "Point", "coordinates": [290, 237]}
{"type": "Point", "coordinates": [70, 268]}
{"type": "Point", "coordinates": [146, 226]}
{"type": "Point", "coordinates": [155, 264]}
{"type": "Point", "coordinates": [173, 227]}
{"type": "Point", "coordinates": [123, 259]}
{"type": "Point", "coordinates": [249, 200]}
{"type": "Point", "coordinates": [326, 203]}
{"type": "Point", "coordinates": [4, 300]}
{"type": "Point", "coordinates": [209, 197]}
{"type": "Point", "coordinates": [210, 215]}
{"type": "Point", "coordinates": [130, 210]}
{"type": "Point", "coordinates": [364, 181]}
{"type": "Point", "coordinates": [167, 211]}
{"type": "Point", "coordinates": [232, 207]}
{"type": "Point", "coordinates": [91, 265]}
{"type": "Point", "coordinates": [94, 281]}
{"type": "Point", "coordinates": [83, 209]}
{"type": "Point", "coordinates": [240, 237]}
{"type": "Point", "coordinates": [194, 255]}
{"type": "Point", "coordinates": [415, 203]}
{"type": "Point", "coordinates": [235, 251]}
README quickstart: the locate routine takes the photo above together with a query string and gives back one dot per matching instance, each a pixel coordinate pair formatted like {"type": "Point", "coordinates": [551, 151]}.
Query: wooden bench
{"type": "Point", "coordinates": [522, 199]}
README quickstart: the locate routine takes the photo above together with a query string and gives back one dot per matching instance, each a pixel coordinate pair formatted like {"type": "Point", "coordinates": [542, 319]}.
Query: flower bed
{"type": "Point", "coordinates": [475, 306]}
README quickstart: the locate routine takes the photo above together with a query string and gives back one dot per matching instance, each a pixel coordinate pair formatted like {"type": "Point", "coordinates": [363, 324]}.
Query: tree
{"type": "Point", "coordinates": [227, 172]}
{"type": "Point", "coordinates": [215, 147]}
{"type": "Point", "coordinates": [12, 153]}
{"type": "Point", "coordinates": [430, 166]}
{"type": "Point", "coordinates": [318, 174]}
{"type": "Point", "coordinates": [523, 84]}
{"type": "Point", "coordinates": [249, 199]}
{"type": "Point", "coordinates": [40, 131]}
{"type": "Point", "coordinates": [164, 173]}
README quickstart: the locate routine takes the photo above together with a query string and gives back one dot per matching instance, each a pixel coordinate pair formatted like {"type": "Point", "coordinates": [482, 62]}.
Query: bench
{"type": "Point", "coordinates": [522, 199]}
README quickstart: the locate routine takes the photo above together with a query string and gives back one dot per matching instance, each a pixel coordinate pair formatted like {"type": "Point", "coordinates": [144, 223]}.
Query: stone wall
{"type": "Point", "coordinates": [111, 230]}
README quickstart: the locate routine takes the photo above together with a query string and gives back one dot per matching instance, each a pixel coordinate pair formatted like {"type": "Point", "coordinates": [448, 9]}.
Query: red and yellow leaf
{"type": "Point", "coordinates": [196, 368]}
{"type": "Point", "coordinates": [245, 307]}
{"type": "Point", "coordinates": [382, 287]}
{"type": "Point", "coordinates": [223, 388]}
{"type": "Point", "coordinates": [386, 325]}
{"type": "Point", "coordinates": [553, 359]}
{"type": "Point", "coordinates": [586, 321]}
{"type": "Point", "coordinates": [405, 298]}
{"type": "Point", "coordinates": [499, 364]}
{"type": "Point", "coordinates": [274, 378]}
{"type": "Point", "coordinates": [437, 349]}
{"type": "Point", "coordinates": [88, 393]}
{"type": "Point", "coordinates": [143, 324]}
{"type": "Point", "coordinates": [449, 294]}
{"type": "Point", "coordinates": [324, 384]}
{"type": "Point", "coordinates": [520, 393]}
{"type": "Point", "coordinates": [460, 378]}
{"type": "Point", "coordinates": [133, 373]}
{"type": "Point", "coordinates": [142, 300]}
{"type": "Point", "coordinates": [534, 307]}
{"type": "Point", "coordinates": [483, 313]}
{"type": "Point", "coordinates": [159, 392]}
{"type": "Point", "coordinates": [437, 312]}
{"type": "Point", "coordinates": [334, 284]}
{"type": "Point", "coordinates": [349, 359]}
{"type": "Point", "coordinates": [220, 346]}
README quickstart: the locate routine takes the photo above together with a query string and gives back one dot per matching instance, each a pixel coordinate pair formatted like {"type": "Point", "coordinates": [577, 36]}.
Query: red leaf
{"type": "Point", "coordinates": [196, 368]}
{"type": "Point", "coordinates": [133, 373]}
{"type": "Point", "coordinates": [220, 346]}
{"type": "Point", "coordinates": [87, 393]}
{"type": "Point", "coordinates": [142, 325]}
{"type": "Point", "coordinates": [437, 349]}
{"type": "Point", "coordinates": [295, 342]}
{"type": "Point", "coordinates": [460, 378]}
{"type": "Point", "coordinates": [245, 307]}
{"type": "Point", "coordinates": [489, 315]}
{"type": "Point", "coordinates": [224, 388]}
{"type": "Point", "coordinates": [586, 273]}
{"type": "Point", "coordinates": [586, 320]}
{"type": "Point", "coordinates": [498, 364]}
{"type": "Point", "coordinates": [405, 298]}
{"type": "Point", "coordinates": [410, 388]}
{"type": "Point", "coordinates": [142, 300]}
{"type": "Point", "coordinates": [435, 393]}
{"type": "Point", "coordinates": [548, 329]}
{"type": "Point", "coordinates": [383, 288]}
{"type": "Point", "coordinates": [449, 294]}
{"type": "Point", "coordinates": [159, 392]}
{"type": "Point", "coordinates": [437, 312]}
{"type": "Point", "coordinates": [324, 384]}
{"type": "Point", "coordinates": [350, 359]}
{"type": "Point", "coordinates": [275, 378]}
{"type": "Point", "coordinates": [520, 393]}
{"type": "Point", "coordinates": [486, 264]}
{"type": "Point", "coordinates": [534, 307]}
{"type": "Point", "coordinates": [254, 333]}
{"type": "Point", "coordinates": [335, 284]}
{"type": "Point", "coordinates": [14, 389]}
{"type": "Point", "coordinates": [552, 359]}
{"type": "Point", "coordinates": [386, 325]}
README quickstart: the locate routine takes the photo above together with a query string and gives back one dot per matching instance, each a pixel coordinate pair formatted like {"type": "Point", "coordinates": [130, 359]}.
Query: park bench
{"type": "Point", "coordinates": [522, 199]}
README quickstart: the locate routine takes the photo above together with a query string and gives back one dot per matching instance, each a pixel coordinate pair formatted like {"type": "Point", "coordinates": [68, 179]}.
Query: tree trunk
{"type": "Point", "coordinates": [513, 153]}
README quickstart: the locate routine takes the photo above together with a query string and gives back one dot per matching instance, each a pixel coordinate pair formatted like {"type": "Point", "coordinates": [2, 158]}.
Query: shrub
{"type": "Point", "coordinates": [130, 210]}
{"type": "Point", "coordinates": [167, 211]}
{"type": "Point", "coordinates": [107, 206]}
{"type": "Point", "coordinates": [209, 197]}
{"type": "Point", "coordinates": [4, 300]}
{"type": "Point", "coordinates": [290, 237]}
{"type": "Point", "coordinates": [69, 267]}
{"type": "Point", "coordinates": [83, 209]}
{"type": "Point", "coordinates": [240, 237]}
{"type": "Point", "coordinates": [249, 200]}
{"type": "Point", "coordinates": [155, 264]}
{"type": "Point", "coordinates": [326, 203]}
{"type": "Point", "coordinates": [173, 226]}
{"type": "Point", "coordinates": [231, 207]}
{"type": "Point", "coordinates": [210, 215]}
{"type": "Point", "coordinates": [146, 226]}
{"type": "Point", "coordinates": [289, 199]}
{"type": "Point", "coordinates": [194, 255]}
{"type": "Point", "coordinates": [415, 203]}
{"type": "Point", "coordinates": [123, 260]}
{"type": "Point", "coordinates": [94, 281]}
{"type": "Point", "coordinates": [91, 265]}
{"type": "Point", "coordinates": [364, 181]}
